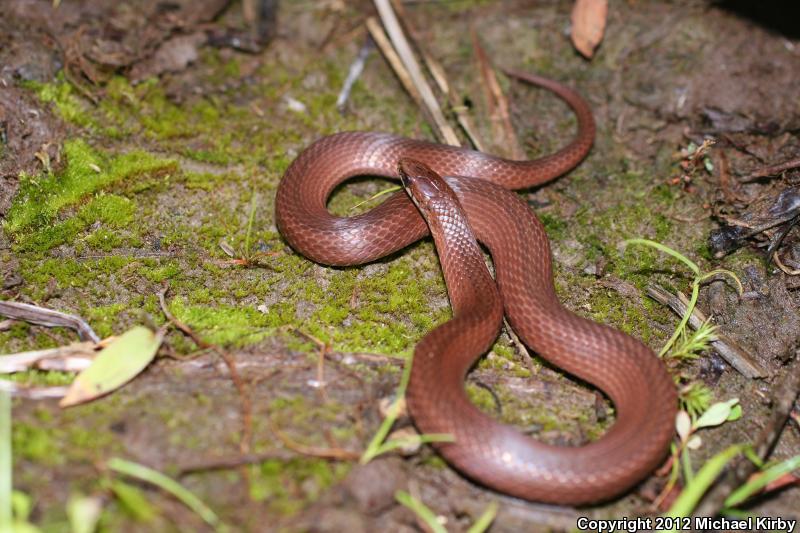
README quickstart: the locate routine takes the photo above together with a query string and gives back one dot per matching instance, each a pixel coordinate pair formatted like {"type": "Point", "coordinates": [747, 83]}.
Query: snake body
{"type": "Point", "coordinates": [494, 454]}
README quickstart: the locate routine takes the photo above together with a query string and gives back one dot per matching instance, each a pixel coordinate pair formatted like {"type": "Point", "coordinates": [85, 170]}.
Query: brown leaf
{"type": "Point", "coordinates": [588, 25]}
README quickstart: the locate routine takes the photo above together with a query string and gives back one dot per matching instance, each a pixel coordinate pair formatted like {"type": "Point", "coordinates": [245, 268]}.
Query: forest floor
{"type": "Point", "coordinates": [125, 171]}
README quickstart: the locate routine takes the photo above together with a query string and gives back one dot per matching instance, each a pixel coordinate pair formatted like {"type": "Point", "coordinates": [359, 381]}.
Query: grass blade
{"type": "Point", "coordinates": [166, 484]}
{"type": "Point", "coordinates": [762, 480]}
{"type": "Point", "coordinates": [691, 494]}
{"type": "Point", "coordinates": [485, 520]}
{"type": "Point", "coordinates": [5, 462]}
{"type": "Point", "coordinates": [373, 449]}
{"type": "Point", "coordinates": [667, 250]}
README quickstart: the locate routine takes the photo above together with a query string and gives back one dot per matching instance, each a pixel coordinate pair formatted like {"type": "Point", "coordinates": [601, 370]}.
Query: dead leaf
{"type": "Point", "coordinates": [115, 365]}
{"type": "Point", "coordinates": [588, 25]}
{"type": "Point", "coordinates": [173, 55]}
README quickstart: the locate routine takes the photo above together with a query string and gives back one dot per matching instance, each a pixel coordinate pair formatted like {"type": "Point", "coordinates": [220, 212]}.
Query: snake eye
{"type": "Point", "coordinates": [404, 180]}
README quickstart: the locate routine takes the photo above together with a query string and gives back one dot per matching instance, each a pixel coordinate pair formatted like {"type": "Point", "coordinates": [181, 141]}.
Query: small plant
{"type": "Point", "coordinates": [691, 346]}
{"type": "Point", "coordinates": [687, 426]}
{"type": "Point", "coordinates": [695, 398]}
{"type": "Point", "coordinates": [693, 159]}
{"type": "Point", "coordinates": [684, 346]}
{"type": "Point", "coordinates": [379, 445]}
{"type": "Point", "coordinates": [697, 413]}
{"type": "Point", "coordinates": [698, 280]}
{"type": "Point", "coordinates": [246, 255]}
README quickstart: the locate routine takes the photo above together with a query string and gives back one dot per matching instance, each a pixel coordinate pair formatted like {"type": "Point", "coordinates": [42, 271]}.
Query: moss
{"type": "Point", "coordinates": [62, 95]}
{"type": "Point", "coordinates": [482, 398]}
{"type": "Point", "coordinates": [289, 486]}
{"type": "Point", "coordinates": [49, 378]}
{"type": "Point", "coordinates": [31, 218]}
{"type": "Point", "coordinates": [555, 227]}
{"type": "Point", "coordinates": [224, 324]}
{"type": "Point", "coordinates": [609, 307]}
{"type": "Point", "coordinates": [34, 443]}
{"type": "Point", "coordinates": [69, 272]}
{"type": "Point", "coordinates": [54, 440]}
{"type": "Point", "coordinates": [112, 210]}
{"type": "Point", "coordinates": [206, 181]}
{"type": "Point", "coordinates": [103, 318]}
{"type": "Point", "coordinates": [157, 272]}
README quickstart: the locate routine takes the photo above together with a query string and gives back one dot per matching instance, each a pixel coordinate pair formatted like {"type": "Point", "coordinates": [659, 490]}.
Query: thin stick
{"type": "Point", "coordinates": [241, 388]}
{"type": "Point", "coordinates": [324, 350]}
{"type": "Point", "coordinates": [234, 461]}
{"type": "Point", "coordinates": [521, 348]}
{"type": "Point", "coordinates": [398, 39]}
{"type": "Point", "coordinates": [50, 318]}
{"type": "Point", "coordinates": [771, 170]}
{"type": "Point", "coordinates": [498, 103]}
{"type": "Point", "coordinates": [312, 451]}
{"type": "Point", "coordinates": [785, 269]}
{"type": "Point", "coordinates": [32, 393]}
{"type": "Point", "coordinates": [439, 76]}
{"type": "Point", "coordinates": [726, 347]}
{"type": "Point", "coordinates": [22, 361]}
{"type": "Point", "coordinates": [356, 68]}
{"type": "Point", "coordinates": [381, 39]}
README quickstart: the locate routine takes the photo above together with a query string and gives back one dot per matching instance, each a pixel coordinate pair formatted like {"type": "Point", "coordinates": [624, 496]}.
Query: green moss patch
{"type": "Point", "coordinates": [33, 217]}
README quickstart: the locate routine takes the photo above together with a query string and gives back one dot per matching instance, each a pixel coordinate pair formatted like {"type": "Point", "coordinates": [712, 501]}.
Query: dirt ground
{"type": "Point", "coordinates": [139, 142]}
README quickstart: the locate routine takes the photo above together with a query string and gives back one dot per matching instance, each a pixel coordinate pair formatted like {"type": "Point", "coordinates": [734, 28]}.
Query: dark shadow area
{"type": "Point", "coordinates": [776, 15]}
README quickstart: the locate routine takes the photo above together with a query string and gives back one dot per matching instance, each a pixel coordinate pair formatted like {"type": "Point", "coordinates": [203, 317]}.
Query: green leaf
{"type": "Point", "coordinates": [716, 414]}
{"type": "Point", "coordinates": [166, 484]}
{"type": "Point", "coordinates": [22, 505]}
{"type": "Point", "coordinates": [691, 494]}
{"type": "Point", "coordinates": [762, 480]}
{"type": "Point", "coordinates": [133, 501]}
{"type": "Point", "coordinates": [119, 362]}
{"type": "Point", "coordinates": [83, 513]}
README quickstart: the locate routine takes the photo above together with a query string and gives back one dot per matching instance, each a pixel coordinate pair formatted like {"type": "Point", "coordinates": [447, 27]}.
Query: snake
{"type": "Point", "coordinates": [463, 195]}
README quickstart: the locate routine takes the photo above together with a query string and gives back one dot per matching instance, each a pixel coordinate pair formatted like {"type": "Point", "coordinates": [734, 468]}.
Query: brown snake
{"type": "Point", "coordinates": [494, 454]}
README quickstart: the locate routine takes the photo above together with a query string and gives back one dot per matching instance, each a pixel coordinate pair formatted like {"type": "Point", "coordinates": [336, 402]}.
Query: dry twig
{"type": "Point", "coordinates": [382, 40]}
{"type": "Point", "coordinates": [312, 451]}
{"type": "Point", "coordinates": [356, 68]}
{"type": "Point", "coordinates": [49, 318]}
{"type": "Point", "coordinates": [235, 461]}
{"type": "Point", "coordinates": [241, 388]}
{"type": "Point", "coordinates": [771, 170]}
{"type": "Point", "coordinates": [445, 132]}
{"type": "Point", "coordinates": [498, 103]}
{"type": "Point", "coordinates": [73, 358]}
{"type": "Point", "coordinates": [439, 76]}
{"type": "Point", "coordinates": [724, 345]}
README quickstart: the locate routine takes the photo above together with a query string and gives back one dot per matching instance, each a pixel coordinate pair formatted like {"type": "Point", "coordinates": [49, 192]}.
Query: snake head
{"type": "Point", "coordinates": [426, 188]}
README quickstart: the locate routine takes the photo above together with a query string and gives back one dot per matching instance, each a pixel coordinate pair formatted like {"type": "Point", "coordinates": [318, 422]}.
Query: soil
{"type": "Point", "coordinates": [140, 148]}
